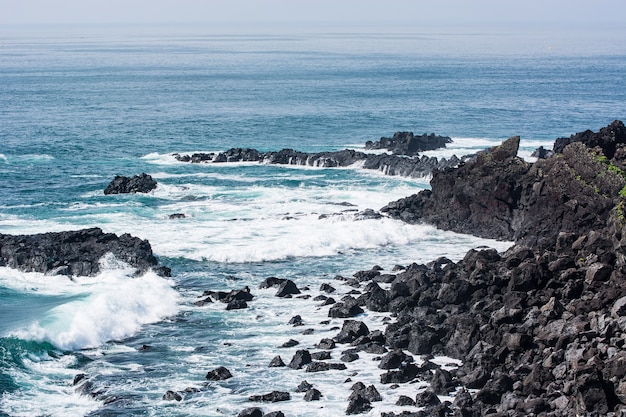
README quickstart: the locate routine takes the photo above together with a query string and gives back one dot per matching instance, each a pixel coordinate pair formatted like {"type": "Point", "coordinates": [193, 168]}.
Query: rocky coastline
{"type": "Point", "coordinates": [404, 159]}
{"type": "Point", "coordinates": [76, 253]}
{"type": "Point", "coordinates": [540, 329]}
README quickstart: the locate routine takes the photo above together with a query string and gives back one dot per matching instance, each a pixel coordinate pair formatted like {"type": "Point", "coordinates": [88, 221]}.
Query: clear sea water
{"type": "Point", "coordinates": [79, 107]}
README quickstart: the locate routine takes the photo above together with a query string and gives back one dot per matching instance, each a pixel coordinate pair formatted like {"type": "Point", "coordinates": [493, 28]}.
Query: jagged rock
{"type": "Point", "coordinates": [300, 359]}
{"type": "Point", "coordinates": [290, 343]}
{"type": "Point", "coordinates": [77, 253]}
{"type": "Point", "coordinates": [271, 282]}
{"type": "Point", "coordinates": [272, 397]}
{"type": "Point", "coordinates": [251, 412]}
{"type": "Point", "coordinates": [498, 195]}
{"type": "Point", "coordinates": [405, 143]}
{"type": "Point", "coordinates": [350, 331]}
{"type": "Point", "coordinates": [349, 357]}
{"type": "Point", "coordinates": [304, 386]}
{"type": "Point", "coordinates": [397, 164]}
{"type": "Point", "coordinates": [312, 395]}
{"type": "Point", "coordinates": [327, 288]}
{"type": "Point", "coordinates": [326, 344]}
{"type": "Point", "coordinates": [403, 401]}
{"type": "Point", "coordinates": [277, 362]}
{"type": "Point", "coordinates": [324, 366]}
{"type": "Point", "coordinates": [394, 360]}
{"type": "Point", "coordinates": [320, 356]}
{"type": "Point", "coordinates": [370, 392]}
{"type": "Point", "coordinates": [287, 288]}
{"type": "Point", "coordinates": [296, 321]}
{"type": "Point", "coordinates": [143, 183]}
{"type": "Point", "coordinates": [426, 399]}
{"type": "Point", "coordinates": [358, 405]}
{"type": "Point", "coordinates": [219, 374]}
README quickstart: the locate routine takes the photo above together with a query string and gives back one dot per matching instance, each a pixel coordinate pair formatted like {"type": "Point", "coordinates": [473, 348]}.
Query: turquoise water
{"type": "Point", "coordinates": [76, 110]}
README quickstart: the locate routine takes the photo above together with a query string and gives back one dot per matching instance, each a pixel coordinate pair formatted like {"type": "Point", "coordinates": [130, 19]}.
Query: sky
{"type": "Point", "coordinates": [412, 13]}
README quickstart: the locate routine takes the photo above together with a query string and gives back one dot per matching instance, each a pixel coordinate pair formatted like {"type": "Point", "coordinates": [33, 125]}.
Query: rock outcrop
{"type": "Point", "coordinates": [143, 183]}
{"type": "Point", "coordinates": [405, 143]}
{"type": "Point", "coordinates": [541, 327]}
{"type": "Point", "coordinates": [498, 195]}
{"type": "Point", "coordinates": [404, 161]}
{"type": "Point", "coordinates": [75, 253]}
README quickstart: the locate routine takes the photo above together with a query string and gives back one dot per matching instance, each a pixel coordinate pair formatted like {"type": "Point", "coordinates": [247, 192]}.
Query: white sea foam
{"type": "Point", "coordinates": [3, 158]}
{"type": "Point", "coordinates": [110, 306]}
{"type": "Point", "coordinates": [45, 396]}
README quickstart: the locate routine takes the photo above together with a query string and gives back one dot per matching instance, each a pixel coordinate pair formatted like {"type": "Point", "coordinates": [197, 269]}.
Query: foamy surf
{"type": "Point", "coordinates": [110, 306]}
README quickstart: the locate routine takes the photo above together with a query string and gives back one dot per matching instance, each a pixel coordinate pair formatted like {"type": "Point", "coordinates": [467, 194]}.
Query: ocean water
{"type": "Point", "coordinates": [79, 107]}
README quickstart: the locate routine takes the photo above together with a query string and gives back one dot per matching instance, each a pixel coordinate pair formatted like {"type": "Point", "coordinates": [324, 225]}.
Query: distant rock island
{"type": "Point", "coordinates": [404, 160]}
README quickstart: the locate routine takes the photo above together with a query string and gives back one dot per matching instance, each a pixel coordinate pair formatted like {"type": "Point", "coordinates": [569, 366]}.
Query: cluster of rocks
{"type": "Point", "coordinates": [499, 195]}
{"type": "Point", "coordinates": [404, 161]}
{"type": "Point", "coordinates": [76, 253]}
{"type": "Point", "coordinates": [388, 164]}
{"type": "Point", "coordinates": [405, 143]}
{"type": "Point", "coordinates": [541, 328]}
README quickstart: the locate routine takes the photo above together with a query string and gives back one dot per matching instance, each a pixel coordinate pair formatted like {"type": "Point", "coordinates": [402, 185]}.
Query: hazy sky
{"type": "Point", "coordinates": [598, 13]}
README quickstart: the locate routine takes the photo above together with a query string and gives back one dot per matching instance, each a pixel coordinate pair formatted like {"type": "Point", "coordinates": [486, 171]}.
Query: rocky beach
{"type": "Point", "coordinates": [538, 330]}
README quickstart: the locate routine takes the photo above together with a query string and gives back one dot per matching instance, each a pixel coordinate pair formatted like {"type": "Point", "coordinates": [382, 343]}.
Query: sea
{"type": "Point", "coordinates": [79, 106]}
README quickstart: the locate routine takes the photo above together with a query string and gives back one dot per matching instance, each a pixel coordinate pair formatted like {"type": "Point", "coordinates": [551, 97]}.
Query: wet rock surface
{"type": "Point", "coordinates": [142, 183]}
{"type": "Point", "coordinates": [404, 160]}
{"type": "Point", "coordinates": [77, 253]}
{"type": "Point", "coordinates": [540, 327]}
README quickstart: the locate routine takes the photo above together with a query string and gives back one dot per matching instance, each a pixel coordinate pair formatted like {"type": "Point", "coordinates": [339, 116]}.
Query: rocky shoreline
{"type": "Point", "coordinates": [76, 253]}
{"type": "Point", "coordinates": [403, 161]}
{"type": "Point", "coordinates": [540, 329]}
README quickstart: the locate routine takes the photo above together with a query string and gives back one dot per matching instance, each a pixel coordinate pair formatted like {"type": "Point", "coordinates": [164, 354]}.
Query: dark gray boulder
{"type": "Point", "coordinates": [272, 397]}
{"type": "Point", "coordinates": [142, 183]}
{"type": "Point", "coordinates": [219, 374]}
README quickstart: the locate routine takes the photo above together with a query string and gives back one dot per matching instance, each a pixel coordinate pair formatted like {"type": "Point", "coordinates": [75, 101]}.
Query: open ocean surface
{"type": "Point", "coordinates": [78, 108]}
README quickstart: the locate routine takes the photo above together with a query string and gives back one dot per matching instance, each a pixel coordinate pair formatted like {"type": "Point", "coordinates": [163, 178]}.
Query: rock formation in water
{"type": "Point", "coordinates": [75, 253]}
{"type": "Point", "coordinates": [143, 183]}
{"type": "Point", "coordinates": [404, 161]}
{"type": "Point", "coordinates": [405, 143]}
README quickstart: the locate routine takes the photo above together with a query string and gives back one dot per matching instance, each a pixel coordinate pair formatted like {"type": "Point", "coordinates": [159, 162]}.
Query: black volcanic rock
{"type": "Point", "coordinates": [608, 139]}
{"type": "Point", "coordinates": [500, 196]}
{"type": "Point", "coordinates": [539, 328]}
{"type": "Point", "coordinates": [272, 397]}
{"type": "Point", "coordinates": [404, 161]}
{"type": "Point", "coordinates": [142, 183]}
{"type": "Point", "coordinates": [75, 252]}
{"type": "Point", "coordinates": [219, 374]}
{"type": "Point", "coordinates": [405, 143]}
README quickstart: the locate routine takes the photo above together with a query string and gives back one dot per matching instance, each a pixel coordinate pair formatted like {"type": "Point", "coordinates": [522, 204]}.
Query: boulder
{"type": "Point", "coordinates": [272, 397]}
{"type": "Point", "coordinates": [142, 183]}
{"type": "Point", "coordinates": [300, 359]}
{"type": "Point", "coordinates": [351, 330]}
{"type": "Point", "coordinates": [251, 412]}
{"type": "Point", "coordinates": [287, 288]}
{"type": "Point", "coordinates": [219, 374]}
